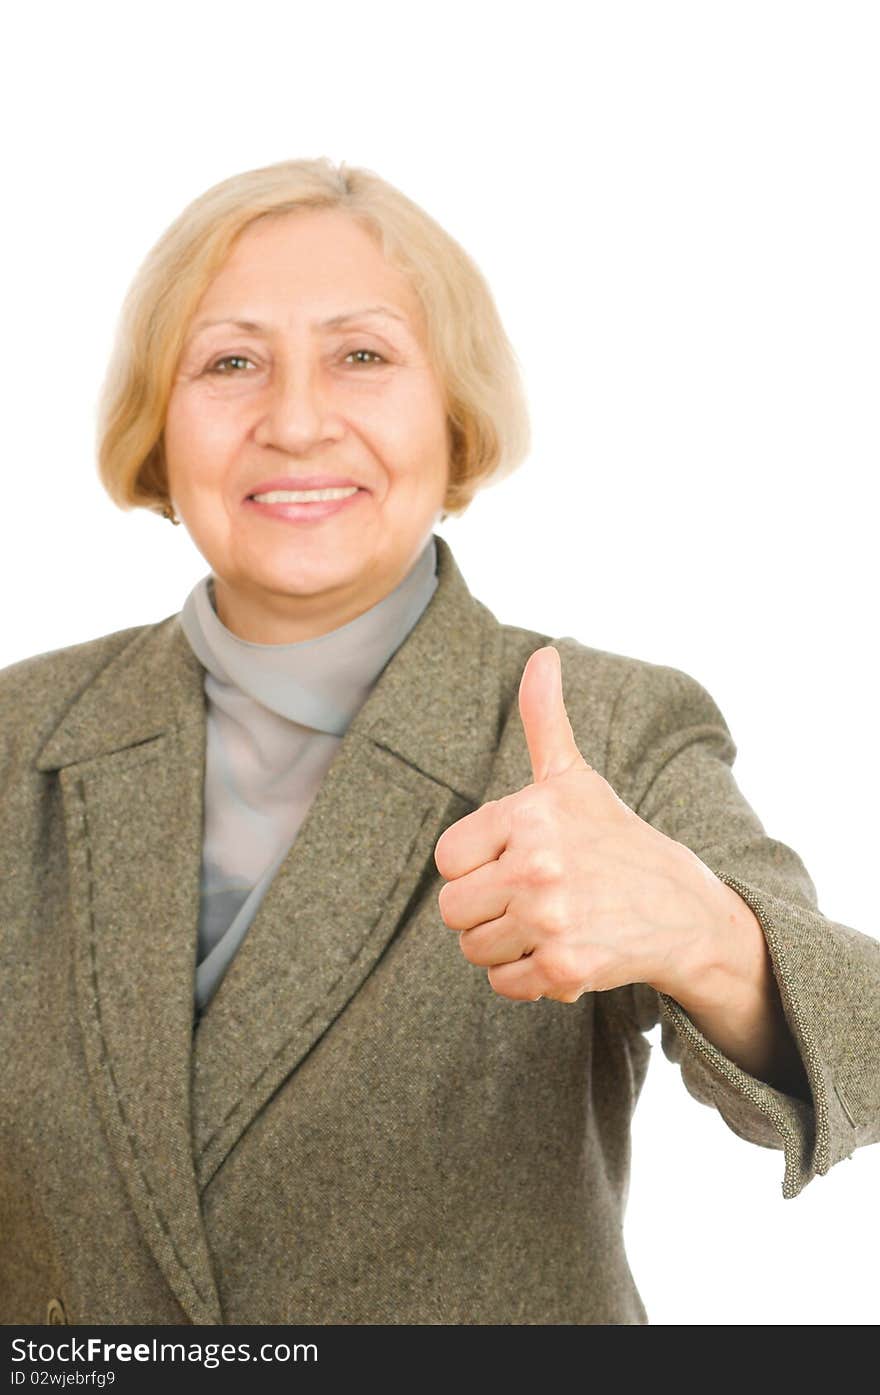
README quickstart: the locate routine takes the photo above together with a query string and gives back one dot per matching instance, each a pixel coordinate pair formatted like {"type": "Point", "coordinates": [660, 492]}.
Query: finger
{"type": "Point", "coordinates": [502, 941]}
{"type": "Point", "coordinates": [527, 980]}
{"type": "Point", "coordinates": [474, 898]}
{"type": "Point", "coordinates": [548, 733]}
{"type": "Point", "coordinates": [478, 838]}
{"type": "Point", "coordinates": [520, 980]}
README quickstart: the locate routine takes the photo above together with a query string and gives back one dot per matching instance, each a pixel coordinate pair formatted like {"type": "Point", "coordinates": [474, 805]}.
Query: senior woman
{"type": "Point", "coordinates": [328, 957]}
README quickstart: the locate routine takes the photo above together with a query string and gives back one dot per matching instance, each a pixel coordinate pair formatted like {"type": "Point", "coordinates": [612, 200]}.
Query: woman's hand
{"type": "Point", "coordinates": [561, 888]}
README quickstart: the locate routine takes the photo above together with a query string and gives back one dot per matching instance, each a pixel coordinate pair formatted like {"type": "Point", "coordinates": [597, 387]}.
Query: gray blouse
{"type": "Point", "coordinates": [276, 715]}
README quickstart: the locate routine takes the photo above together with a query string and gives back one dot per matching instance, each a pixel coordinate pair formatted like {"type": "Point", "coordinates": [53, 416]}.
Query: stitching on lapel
{"type": "Point", "coordinates": [105, 1057]}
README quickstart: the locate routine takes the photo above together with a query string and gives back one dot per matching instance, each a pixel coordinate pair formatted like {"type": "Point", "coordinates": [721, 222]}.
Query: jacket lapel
{"type": "Point", "coordinates": [130, 755]}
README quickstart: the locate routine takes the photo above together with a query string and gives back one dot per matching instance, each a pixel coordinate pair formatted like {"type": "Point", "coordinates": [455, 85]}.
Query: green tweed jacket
{"type": "Point", "coordinates": [359, 1130]}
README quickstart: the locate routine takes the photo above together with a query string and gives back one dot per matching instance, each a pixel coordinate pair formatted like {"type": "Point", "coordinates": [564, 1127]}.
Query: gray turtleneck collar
{"type": "Point", "coordinates": [322, 682]}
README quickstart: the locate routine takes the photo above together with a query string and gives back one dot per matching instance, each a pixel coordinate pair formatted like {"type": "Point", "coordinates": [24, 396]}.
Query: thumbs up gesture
{"type": "Point", "coordinates": [560, 888]}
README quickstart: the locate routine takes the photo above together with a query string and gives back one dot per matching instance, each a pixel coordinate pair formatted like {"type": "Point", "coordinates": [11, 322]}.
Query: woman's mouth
{"type": "Point", "coordinates": [304, 505]}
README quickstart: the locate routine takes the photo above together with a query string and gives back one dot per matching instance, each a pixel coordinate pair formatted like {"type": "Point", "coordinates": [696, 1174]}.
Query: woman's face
{"type": "Point", "coordinates": [328, 380]}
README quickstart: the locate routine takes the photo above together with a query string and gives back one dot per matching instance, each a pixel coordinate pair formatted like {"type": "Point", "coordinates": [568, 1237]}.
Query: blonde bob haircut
{"type": "Point", "coordinates": [487, 415]}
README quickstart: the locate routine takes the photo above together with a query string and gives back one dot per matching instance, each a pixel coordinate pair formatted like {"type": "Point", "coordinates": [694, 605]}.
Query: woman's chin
{"type": "Point", "coordinates": [303, 578]}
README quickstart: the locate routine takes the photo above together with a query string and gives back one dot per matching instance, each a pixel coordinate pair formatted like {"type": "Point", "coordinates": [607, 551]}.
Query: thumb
{"type": "Point", "coordinates": [550, 739]}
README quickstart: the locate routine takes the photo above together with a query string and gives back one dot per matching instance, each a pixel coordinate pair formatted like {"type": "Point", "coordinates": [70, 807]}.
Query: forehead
{"type": "Point", "coordinates": [318, 259]}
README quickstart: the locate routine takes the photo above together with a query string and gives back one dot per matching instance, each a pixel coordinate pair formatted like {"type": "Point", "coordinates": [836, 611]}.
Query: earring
{"type": "Point", "coordinates": [169, 513]}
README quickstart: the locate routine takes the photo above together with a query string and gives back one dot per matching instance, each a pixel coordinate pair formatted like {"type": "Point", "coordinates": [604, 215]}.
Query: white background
{"type": "Point", "coordinates": [676, 206]}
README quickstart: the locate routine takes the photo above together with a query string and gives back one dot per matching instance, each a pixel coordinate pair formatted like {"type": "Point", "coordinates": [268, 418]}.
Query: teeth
{"type": "Point", "coordinates": [304, 496]}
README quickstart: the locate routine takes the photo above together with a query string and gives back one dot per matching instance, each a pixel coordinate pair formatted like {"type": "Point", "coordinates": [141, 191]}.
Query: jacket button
{"type": "Point", "coordinates": [55, 1313]}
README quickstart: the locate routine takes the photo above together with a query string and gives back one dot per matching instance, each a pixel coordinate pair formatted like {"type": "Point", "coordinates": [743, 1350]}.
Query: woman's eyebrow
{"type": "Point", "coordinates": [334, 322]}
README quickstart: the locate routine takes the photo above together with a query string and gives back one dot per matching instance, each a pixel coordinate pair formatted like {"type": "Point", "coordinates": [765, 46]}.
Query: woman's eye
{"type": "Point", "coordinates": [366, 351]}
{"type": "Point", "coordinates": [229, 358]}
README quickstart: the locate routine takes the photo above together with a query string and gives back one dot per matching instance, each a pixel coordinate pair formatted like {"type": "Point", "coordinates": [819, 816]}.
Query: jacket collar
{"type": "Point", "coordinates": [155, 685]}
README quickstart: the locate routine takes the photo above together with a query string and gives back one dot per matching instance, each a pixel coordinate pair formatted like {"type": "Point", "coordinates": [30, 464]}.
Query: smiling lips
{"type": "Point", "coordinates": [304, 505]}
{"type": "Point", "coordinates": [309, 499]}
{"type": "Point", "coordinates": [303, 496]}
{"type": "Point", "coordinates": [307, 482]}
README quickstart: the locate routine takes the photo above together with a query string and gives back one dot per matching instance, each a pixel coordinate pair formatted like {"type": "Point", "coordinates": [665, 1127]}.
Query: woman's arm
{"type": "Point", "coordinates": [670, 756]}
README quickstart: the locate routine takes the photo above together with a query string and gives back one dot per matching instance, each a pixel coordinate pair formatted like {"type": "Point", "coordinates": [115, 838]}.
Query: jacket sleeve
{"type": "Point", "coordinates": [669, 758]}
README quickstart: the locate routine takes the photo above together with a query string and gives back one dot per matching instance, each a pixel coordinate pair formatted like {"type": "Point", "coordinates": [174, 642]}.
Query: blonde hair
{"type": "Point", "coordinates": [487, 415]}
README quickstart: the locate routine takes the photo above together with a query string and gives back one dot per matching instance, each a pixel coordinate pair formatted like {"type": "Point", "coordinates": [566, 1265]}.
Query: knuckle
{"type": "Point", "coordinates": [542, 866]}
{"type": "Point", "coordinates": [555, 920]}
{"type": "Point", "coordinates": [559, 972]}
{"type": "Point", "coordinates": [470, 948]}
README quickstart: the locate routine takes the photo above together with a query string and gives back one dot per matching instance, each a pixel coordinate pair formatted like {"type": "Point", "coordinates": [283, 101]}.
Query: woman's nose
{"type": "Point", "coordinates": [298, 409]}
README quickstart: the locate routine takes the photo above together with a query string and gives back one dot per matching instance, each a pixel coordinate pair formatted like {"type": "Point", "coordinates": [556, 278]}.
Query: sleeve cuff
{"type": "Point", "coordinates": [814, 1136]}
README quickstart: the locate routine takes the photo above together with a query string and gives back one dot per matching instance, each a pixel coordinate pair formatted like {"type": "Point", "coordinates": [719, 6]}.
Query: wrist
{"type": "Point", "coordinates": [721, 954]}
